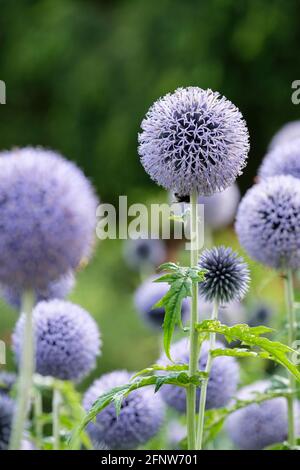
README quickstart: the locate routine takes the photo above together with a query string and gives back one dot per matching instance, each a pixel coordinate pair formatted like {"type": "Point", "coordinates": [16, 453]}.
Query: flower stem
{"type": "Point", "coordinates": [38, 410]}
{"type": "Point", "coordinates": [194, 350]}
{"type": "Point", "coordinates": [202, 403]}
{"type": "Point", "coordinates": [292, 328]}
{"type": "Point", "coordinates": [56, 401]}
{"type": "Point", "coordinates": [26, 370]}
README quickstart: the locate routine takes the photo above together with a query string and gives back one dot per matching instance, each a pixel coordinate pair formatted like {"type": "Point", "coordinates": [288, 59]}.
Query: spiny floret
{"type": "Point", "coordinates": [268, 222]}
{"type": "Point", "coordinates": [140, 418]}
{"type": "Point", "coordinates": [259, 425]}
{"type": "Point", "coordinates": [67, 340]}
{"type": "Point", "coordinates": [227, 275]}
{"type": "Point", "coordinates": [58, 289]}
{"type": "Point", "coordinates": [6, 416]}
{"type": "Point", "coordinates": [286, 133]}
{"type": "Point", "coordinates": [48, 217]}
{"type": "Point", "coordinates": [222, 383]}
{"type": "Point", "coordinates": [147, 295]}
{"type": "Point", "coordinates": [284, 159]}
{"type": "Point", "coordinates": [194, 139]}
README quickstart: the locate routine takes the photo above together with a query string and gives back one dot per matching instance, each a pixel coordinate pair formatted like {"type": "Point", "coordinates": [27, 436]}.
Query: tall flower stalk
{"type": "Point", "coordinates": [26, 373]}
{"type": "Point", "coordinates": [202, 403]}
{"type": "Point", "coordinates": [292, 328]}
{"type": "Point", "coordinates": [194, 349]}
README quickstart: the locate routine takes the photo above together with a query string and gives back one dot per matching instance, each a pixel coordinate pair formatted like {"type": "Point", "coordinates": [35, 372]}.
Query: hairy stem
{"type": "Point", "coordinates": [202, 403]}
{"type": "Point", "coordinates": [56, 401]}
{"type": "Point", "coordinates": [292, 328]}
{"type": "Point", "coordinates": [194, 350]}
{"type": "Point", "coordinates": [26, 370]}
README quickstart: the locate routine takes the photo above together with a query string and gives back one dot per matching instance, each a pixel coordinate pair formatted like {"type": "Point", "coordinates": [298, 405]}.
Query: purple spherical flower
{"type": "Point", "coordinates": [284, 159]}
{"type": "Point", "coordinates": [58, 289]}
{"type": "Point", "coordinates": [268, 222]}
{"type": "Point", "coordinates": [220, 208]}
{"type": "Point", "coordinates": [140, 418]}
{"type": "Point", "coordinates": [287, 133]}
{"type": "Point", "coordinates": [147, 295]}
{"type": "Point", "coordinates": [144, 252]}
{"type": "Point", "coordinates": [7, 381]}
{"type": "Point", "coordinates": [48, 217]}
{"type": "Point", "coordinates": [194, 139]}
{"type": "Point", "coordinates": [259, 425]}
{"type": "Point", "coordinates": [222, 384]}
{"type": "Point", "coordinates": [227, 275]}
{"type": "Point", "coordinates": [67, 340]}
{"type": "Point", "coordinates": [6, 416]}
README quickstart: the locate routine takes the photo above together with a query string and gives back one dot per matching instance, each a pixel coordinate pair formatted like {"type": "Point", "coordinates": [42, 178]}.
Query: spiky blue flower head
{"type": "Point", "coordinates": [140, 418]}
{"type": "Point", "coordinates": [144, 252]}
{"type": "Point", "coordinates": [220, 208]}
{"type": "Point", "coordinates": [48, 217]}
{"type": "Point", "coordinates": [7, 381]}
{"type": "Point", "coordinates": [259, 425]}
{"type": "Point", "coordinates": [58, 289]}
{"type": "Point", "coordinates": [6, 416]}
{"type": "Point", "coordinates": [268, 222]}
{"type": "Point", "coordinates": [147, 295]}
{"type": "Point", "coordinates": [67, 340]}
{"type": "Point", "coordinates": [222, 383]}
{"type": "Point", "coordinates": [284, 159]}
{"type": "Point", "coordinates": [227, 275]}
{"type": "Point", "coordinates": [194, 139]}
{"type": "Point", "coordinates": [290, 131]}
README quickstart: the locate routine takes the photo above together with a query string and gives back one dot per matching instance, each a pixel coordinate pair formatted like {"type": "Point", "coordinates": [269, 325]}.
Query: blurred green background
{"type": "Point", "coordinates": [80, 75]}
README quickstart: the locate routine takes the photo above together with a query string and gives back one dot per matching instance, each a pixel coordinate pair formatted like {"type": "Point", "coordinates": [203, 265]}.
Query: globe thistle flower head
{"type": "Point", "coordinates": [289, 132]}
{"type": "Point", "coordinates": [7, 381]}
{"type": "Point", "coordinates": [48, 217]}
{"type": "Point", "coordinates": [227, 275]}
{"type": "Point", "coordinates": [67, 340]}
{"type": "Point", "coordinates": [140, 418]}
{"type": "Point", "coordinates": [268, 222]}
{"type": "Point", "coordinates": [220, 208]}
{"type": "Point", "coordinates": [6, 417]}
{"type": "Point", "coordinates": [147, 295]}
{"type": "Point", "coordinates": [58, 289]}
{"type": "Point", "coordinates": [144, 252]}
{"type": "Point", "coordinates": [284, 159]}
{"type": "Point", "coordinates": [193, 139]}
{"type": "Point", "coordinates": [259, 425]}
{"type": "Point", "coordinates": [222, 383]}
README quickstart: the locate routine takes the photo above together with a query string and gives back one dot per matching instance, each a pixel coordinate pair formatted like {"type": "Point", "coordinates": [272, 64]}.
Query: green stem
{"type": "Point", "coordinates": [26, 370]}
{"type": "Point", "coordinates": [56, 401]}
{"type": "Point", "coordinates": [194, 350]}
{"type": "Point", "coordinates": [292, 328]}
{"type": "Point", "coordinates": [202, 403]}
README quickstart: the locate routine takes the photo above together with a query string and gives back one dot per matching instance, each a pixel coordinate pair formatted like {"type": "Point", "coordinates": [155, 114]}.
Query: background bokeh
{"type": "Point", "coordinates": [80, 75]}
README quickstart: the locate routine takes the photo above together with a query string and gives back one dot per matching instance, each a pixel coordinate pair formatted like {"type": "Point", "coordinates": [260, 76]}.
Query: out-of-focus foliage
{"type": "Point", "coordinates": [80, 74]}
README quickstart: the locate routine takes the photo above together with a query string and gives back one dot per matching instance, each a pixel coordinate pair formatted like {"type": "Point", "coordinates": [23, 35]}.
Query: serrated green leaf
{"type": "Point", "coordinates": [158, 367]}
{"type": "Point", "coordinates": [239, 352]}
{"type": "Point", "coordinates": [278, 352]}
{"type": "Point", "coordinates": [180, 280]}
{"type": "Point", "coordinates": [180, 378]}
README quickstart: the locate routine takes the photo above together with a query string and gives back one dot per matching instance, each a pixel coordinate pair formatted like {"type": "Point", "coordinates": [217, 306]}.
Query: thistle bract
{"type": "Point", "coordinates": [48, 217]}
{"type": "Point", "coordinates": [268, 222]}
{"type": "Point", "coordinates": [140, 418]}
{"type": "Point", "coordinates": [67, 340]}
{"type": "Point", "coordinates": [259, 425]}
{"type": "Point", "coordinates": [194, 139]}
{"type": "Point", "coordinates": [227, 275]}
{"type": "Point", "coordinates": [222, 384]}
